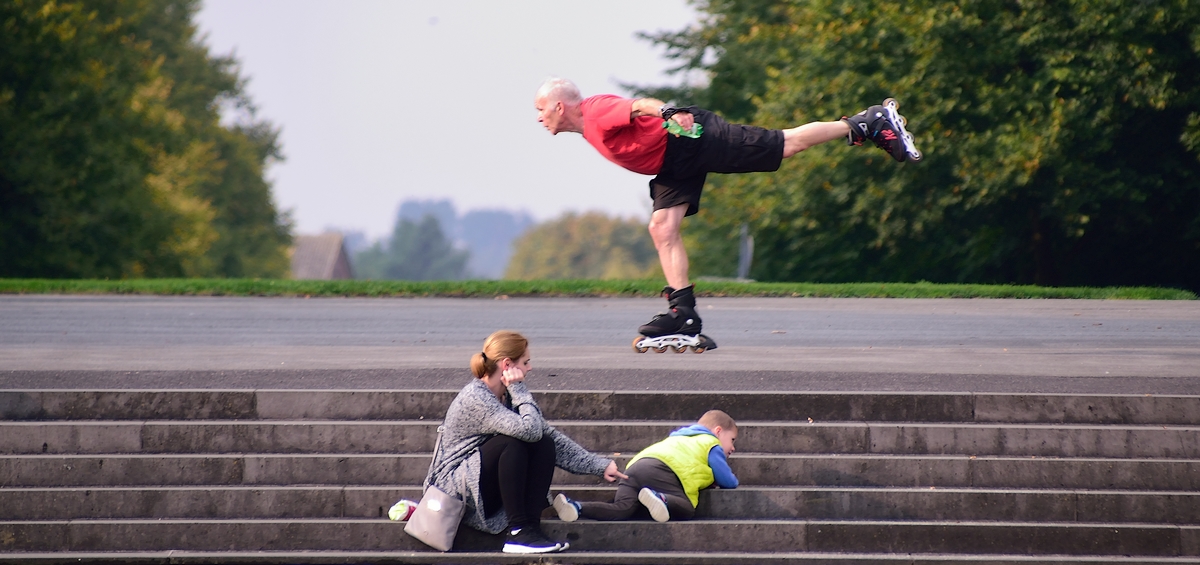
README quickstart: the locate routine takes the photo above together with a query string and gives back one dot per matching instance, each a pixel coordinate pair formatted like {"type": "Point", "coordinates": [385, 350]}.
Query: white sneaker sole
{"type": "Point", "coordinates": [566, 511]}
{"type": "Point", "coordinates": [526, 550]}
{"type": "Point", "coordinates": [658, 508]}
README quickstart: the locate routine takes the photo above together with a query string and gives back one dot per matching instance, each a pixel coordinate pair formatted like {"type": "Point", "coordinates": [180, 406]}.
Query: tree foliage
{"type": "Point", "coordinates": [1061, 139]}
{"type": "Point", "coordinates": [584, 246]}
{"type": "Point", "coordinates": [113, 159]}
{"type": "Point", "coordinates": [417, 251]}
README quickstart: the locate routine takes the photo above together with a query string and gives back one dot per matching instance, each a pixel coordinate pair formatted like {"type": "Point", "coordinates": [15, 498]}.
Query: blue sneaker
{"type": "Point", "coordinates": [656, 503]}
{"type": "Point", "coordinates": [568, 510]}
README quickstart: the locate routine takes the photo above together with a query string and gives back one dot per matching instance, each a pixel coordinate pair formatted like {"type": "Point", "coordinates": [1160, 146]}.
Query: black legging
{"type": "Point", "coordinates": [515, 475]}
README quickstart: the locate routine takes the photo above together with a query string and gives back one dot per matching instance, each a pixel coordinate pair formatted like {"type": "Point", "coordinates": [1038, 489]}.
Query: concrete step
{"type": "Point", "coordinates": [573, 556]}
{"type": "Point", "coordinates": [290, 476]}
{"type": "Point", "coordinates": [1049, 440]}
{"type": "Point", "coordinates": [836, 470]}
{"type": "Point", "coordinates": [767, 503]}
{"type": "Point", "coordinates": [349, 534]}
{"type": "Point", "coordinates": [408, 436]}
{"type": "Point", "coordinates": [592, 405]}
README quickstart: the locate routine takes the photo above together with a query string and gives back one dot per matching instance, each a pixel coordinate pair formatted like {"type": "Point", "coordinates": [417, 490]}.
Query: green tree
{"type": "Point", "coordinates": [1061, 139]}
{"type": "Point", "coordinates": [113, 161]}
{"type": "Point", "coordinates": [584, 246]}
{"type": "Point", "coordinates": [417, 251]}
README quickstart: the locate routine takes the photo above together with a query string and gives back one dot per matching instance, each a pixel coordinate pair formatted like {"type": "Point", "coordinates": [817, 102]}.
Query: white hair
{"type": "Point", "coordinates": [556, 89]}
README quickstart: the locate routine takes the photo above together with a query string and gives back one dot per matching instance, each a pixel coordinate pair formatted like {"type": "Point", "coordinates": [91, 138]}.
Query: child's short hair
{"type": "Point", "coordinates": [714, 418]}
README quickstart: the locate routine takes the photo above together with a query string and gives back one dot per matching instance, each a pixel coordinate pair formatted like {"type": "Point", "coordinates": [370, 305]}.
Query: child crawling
{"type": "Point", "coordinates": [667, 477]}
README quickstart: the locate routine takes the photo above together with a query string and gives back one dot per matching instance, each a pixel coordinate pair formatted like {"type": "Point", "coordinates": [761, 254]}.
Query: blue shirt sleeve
{"type": "Point", "coordinates": [722, 474]}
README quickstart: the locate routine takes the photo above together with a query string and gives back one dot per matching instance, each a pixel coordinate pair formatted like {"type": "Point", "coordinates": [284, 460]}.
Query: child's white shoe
{"type": "Point", "coordinates": [655, 502]}
{"type": "Point", "coordinates": [568, 510]}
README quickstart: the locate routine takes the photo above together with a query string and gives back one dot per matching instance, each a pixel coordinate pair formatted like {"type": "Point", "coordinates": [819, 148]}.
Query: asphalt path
{"type": "Point", "coordinates": [1047, 346]}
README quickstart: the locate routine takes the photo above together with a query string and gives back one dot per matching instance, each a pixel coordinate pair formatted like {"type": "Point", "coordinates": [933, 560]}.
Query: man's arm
{"type": "Point", "coordinates": [647, 107]}
{"type": "Point", "coordinates": [654, 107]}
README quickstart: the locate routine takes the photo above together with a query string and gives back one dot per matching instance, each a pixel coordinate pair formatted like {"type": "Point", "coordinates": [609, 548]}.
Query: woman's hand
{"type": "Point", "coordinates": [611, 474]}
{"type": "Point", "coordinates": [512, 375]}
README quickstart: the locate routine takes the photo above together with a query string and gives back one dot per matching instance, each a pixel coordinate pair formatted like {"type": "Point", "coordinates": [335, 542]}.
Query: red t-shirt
{"type": "Point", "coordinates": [637, 145]}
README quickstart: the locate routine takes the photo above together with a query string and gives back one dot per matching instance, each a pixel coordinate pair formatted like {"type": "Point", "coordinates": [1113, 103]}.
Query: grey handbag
{"type": "Point", "coordinates": [436, 519]}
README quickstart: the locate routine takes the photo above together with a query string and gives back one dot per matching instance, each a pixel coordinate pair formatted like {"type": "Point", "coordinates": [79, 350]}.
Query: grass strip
{"type": "Point", "coordinates": [566, 288]}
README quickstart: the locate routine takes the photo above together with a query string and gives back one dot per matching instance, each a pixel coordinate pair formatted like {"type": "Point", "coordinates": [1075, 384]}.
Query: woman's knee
{"type": "Point", "coordinates": [544, 444]}
{"type": "Point", "coordinates": [543, 451]}
{"type": "Point", "coordinates": [502, 453]}
{"type": "Point", "coordinates": [503, 444]}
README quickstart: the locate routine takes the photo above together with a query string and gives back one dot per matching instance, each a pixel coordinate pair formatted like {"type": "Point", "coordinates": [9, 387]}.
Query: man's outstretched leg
{"type": "Point", "coordinates": [881, 124]}
{"type": "Point", "coordinates": [798, 139]}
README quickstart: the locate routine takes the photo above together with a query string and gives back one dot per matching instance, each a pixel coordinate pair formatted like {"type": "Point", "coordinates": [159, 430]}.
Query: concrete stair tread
{"type": "Point", "coordinates": [600, 424]}
{"type": "Point", "coordinates": [387, 436]}
{"type": "Point", "coordinates": [295, 476]}
{"type": "Point", "coordinates": [610, 488]}
{"type": "Point", "coordinates": [620, 456]}
{"type": "Point", "coordinates": [39, 404]}
{"type": "Point", "coordinates": [647, 523]}
{"type": "Point", "coordinates": [355, 534]}
{"type": "Point", "coordinates": [616, 456]}
{"type": "Point", "coordinates": [570, 556]}
{"type": "Point", "coordinates": [40, 470]}
{"type": "Point", "coordinates": [762, 502]}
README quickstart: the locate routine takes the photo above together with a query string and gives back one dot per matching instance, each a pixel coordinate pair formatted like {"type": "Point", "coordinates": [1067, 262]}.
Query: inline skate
{"type": "Point", "coordinates": [884, 126]}
{"type": "Point", "coordinates": [676, 329]}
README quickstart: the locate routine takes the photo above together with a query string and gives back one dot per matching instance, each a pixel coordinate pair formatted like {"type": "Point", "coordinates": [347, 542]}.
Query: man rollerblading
{"type": "Point", "coordinates": [694, 143]}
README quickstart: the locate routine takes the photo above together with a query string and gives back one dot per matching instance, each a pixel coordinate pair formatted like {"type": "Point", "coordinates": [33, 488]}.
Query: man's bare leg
{"type": "Point", "coordinates": [665, 223]}
{"type": "Point", "coordinates": [800, 138]}
{"type": "Point", "coordinates": [664, 230]}
{"type": "Point", "coordinates": [680, 327]}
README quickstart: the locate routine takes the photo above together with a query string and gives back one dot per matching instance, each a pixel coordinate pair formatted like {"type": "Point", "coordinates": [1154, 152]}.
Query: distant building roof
{"type": "Point", "coordinates": [320, 257]}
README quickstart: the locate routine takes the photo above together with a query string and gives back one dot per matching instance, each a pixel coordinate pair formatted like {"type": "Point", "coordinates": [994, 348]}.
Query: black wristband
{"type": "Point", "coordinates": [667, 111]}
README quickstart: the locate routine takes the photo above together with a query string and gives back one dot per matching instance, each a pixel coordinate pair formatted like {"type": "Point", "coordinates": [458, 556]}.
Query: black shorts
{"type": "Point", "coordinates": [722, 148]}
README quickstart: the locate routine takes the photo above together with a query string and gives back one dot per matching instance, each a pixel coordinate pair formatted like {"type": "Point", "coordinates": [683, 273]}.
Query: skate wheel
{"type": "Point", "coordinates": [698, 350]}
{"type": "Point", "coordinates": [679, 348]}
{"type": "Point", "coordinates": [915, 155]}
{"type": "Point", "coordinates": [636, 341]}
{"type": "Point", "coordinates": [662, 349]}
{"type": "Point", "coordinates": [895, 104]}
{"type": "Point", "coordinates": [902, 120]}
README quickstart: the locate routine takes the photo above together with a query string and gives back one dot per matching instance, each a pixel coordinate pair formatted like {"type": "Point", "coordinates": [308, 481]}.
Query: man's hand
{"type": "Point", "coordinates": [611, 474]}
{"type": "Point", "coordinates": [684, 119]}
{"type": "Point", "coordinates": [654, 107]}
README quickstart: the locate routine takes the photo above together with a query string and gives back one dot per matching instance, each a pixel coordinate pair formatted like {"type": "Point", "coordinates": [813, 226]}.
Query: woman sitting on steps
{"type": "Point", "coordinates": [498, 453]}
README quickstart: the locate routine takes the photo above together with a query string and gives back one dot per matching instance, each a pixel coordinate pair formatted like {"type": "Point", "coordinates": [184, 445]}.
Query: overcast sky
{"type": "Point", "coordinates": [383, 101]}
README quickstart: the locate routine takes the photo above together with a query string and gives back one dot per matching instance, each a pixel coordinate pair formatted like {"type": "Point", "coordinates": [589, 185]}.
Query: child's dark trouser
{"type": "Point", "coordinates": [515, 475]}
{"type": "Point", "coordinates": [645, 472]}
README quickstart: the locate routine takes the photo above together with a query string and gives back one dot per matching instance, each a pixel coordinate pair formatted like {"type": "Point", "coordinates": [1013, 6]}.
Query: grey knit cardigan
{"type": "Point", "coordinates": [474, 417]}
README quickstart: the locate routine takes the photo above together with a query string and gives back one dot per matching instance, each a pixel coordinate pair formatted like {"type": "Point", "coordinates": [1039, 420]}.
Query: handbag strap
{"type": "Point", "coordinates": [437, 446]}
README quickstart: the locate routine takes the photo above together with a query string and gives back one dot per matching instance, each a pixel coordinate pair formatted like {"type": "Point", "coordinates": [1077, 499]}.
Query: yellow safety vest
{"type": "Point", "coordinates": [687, 456]}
